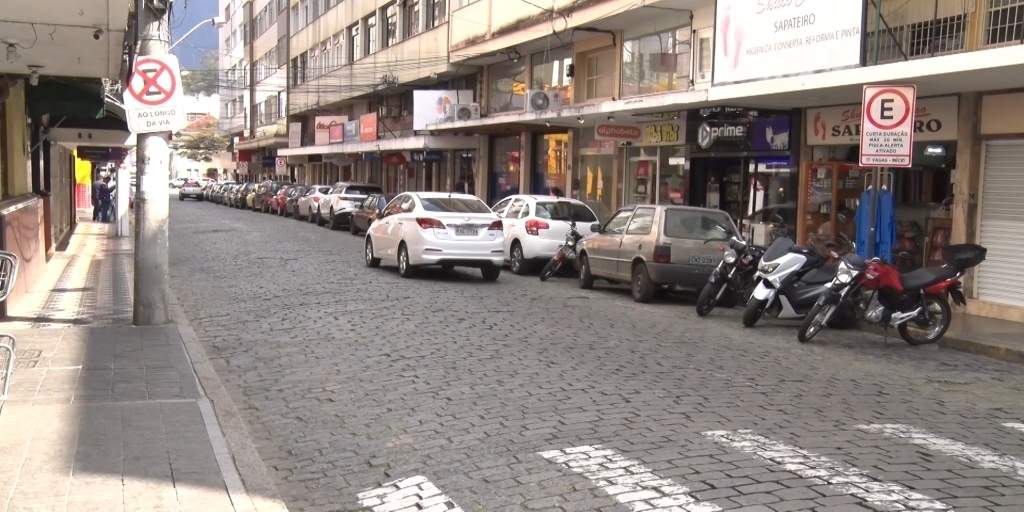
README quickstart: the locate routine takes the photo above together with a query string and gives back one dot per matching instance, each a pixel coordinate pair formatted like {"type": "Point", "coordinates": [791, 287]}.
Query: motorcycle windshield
{"type": "Point", "coordinates": [778, 249]}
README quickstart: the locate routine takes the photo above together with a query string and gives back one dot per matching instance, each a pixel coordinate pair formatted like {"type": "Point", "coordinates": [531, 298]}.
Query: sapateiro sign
{"type": "Point", "coordinates": [935, 120]}
{"type": "Point", "coordinates": [887, 134]}
{"type": "Point", "coordinates": [153, 99]}
{"type": "Point", "coordinates": [758, 39]}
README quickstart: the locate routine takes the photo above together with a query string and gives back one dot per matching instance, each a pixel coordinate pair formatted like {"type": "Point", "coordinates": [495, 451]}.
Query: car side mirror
{"type": "Point", "coordinates": [595, 227]}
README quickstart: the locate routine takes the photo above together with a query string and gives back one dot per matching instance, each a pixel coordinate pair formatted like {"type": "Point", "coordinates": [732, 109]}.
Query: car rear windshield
{"type": "Point", "coordinates": [565, 210]}
{"type": "Point", "coordinates": [454, 205]}
{"type": "Point", "coordinates": [192, 184]}
{"type": "Point", "coordinates": [361, 191]}
{"type": "Point", "coordinates": [697, 225]}
{"type": "Point", "coordinates": [324, 190]}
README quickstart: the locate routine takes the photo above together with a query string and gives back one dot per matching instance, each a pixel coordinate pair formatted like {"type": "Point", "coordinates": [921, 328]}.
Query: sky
{"type": "Point", "coordinates": [186, 14]}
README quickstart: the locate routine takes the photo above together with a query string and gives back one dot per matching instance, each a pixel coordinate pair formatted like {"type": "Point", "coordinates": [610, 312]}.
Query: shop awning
{"type": "Point", "coordinates": [262, 143]}
{"type": "Point", "coordinates": [441, 142]}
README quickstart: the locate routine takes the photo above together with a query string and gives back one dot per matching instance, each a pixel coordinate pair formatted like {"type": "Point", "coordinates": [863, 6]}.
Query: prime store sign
{"type": "Point", "coordinates": [935, 120]}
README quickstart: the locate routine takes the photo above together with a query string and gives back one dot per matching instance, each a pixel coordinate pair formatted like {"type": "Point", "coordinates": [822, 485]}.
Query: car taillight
{"type": "Point", "coordinates": [496, 226]}
{"type": "Point", "coordinates": [533, 227]}
{"type": "Point", "coordinates": [316, 199]}
{"type": "Point", "coordinates": [662, 254]}
{"type": "Point", "coordinates": [427, 223]}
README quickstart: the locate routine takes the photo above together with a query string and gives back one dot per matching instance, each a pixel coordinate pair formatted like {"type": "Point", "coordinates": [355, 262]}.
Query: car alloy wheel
{"type": "Point", "coordinates": [516, 261]}
{"type": "Point", "coordinates": [370, 260]}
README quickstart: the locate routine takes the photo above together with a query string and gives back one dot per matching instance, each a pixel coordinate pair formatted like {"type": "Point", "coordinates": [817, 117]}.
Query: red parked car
{"type": "Point", "coordinates": [276, 203]}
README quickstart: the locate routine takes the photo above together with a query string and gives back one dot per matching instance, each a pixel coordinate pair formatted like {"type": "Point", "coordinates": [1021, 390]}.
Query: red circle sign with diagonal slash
{"type": "Point", "coordinates": [153, 82]}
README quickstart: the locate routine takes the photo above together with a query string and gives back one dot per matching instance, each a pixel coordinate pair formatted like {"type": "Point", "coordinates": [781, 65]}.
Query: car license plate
{"type": "Point", "coordinates": [697, 259]}
{"type": "Point", "coordinates": [466, 232]}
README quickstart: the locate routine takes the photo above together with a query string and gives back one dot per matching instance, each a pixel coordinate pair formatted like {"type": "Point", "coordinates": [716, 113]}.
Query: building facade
{"type": "Point", "coordinates": [53, 104]}
{"type": "Point", "coordinates": [749, 107]}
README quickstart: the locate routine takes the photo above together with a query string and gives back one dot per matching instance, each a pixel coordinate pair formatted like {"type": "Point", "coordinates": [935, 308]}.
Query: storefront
{"type": "Point", "coordinates": [506, 164]}
{"type": "Point", "coordinates": [1000, 278]}
{"type": "Point", "coordinates": [550, 164]}
{"type": "Point", "coordinates": [653, 163]}
{"type": "Point", "coordinates": [740, 161]}
{"type": "Point", "coordinates": [594, 182]}
{"type": "Point", "coordinates": [835, 187]}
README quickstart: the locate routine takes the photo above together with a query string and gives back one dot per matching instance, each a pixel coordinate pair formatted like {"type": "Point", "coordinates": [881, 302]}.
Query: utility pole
{"type": "Point", "coordinates": [152, 296]}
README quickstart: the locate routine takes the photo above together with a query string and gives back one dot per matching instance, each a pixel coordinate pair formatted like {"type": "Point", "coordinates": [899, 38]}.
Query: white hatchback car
{"type": "Point", "coordinates": [308, 204]}
{"type": "Point", "coordinates": [436, 228]}
{"type": "Point", "coordinates": [535, 227]}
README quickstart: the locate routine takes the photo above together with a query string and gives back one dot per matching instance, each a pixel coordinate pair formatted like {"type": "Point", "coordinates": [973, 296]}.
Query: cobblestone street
{"type": "Point", "coordinates": [365, 391]}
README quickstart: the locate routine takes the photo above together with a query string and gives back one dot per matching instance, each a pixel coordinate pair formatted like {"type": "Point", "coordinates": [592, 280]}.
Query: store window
{"type": "Point", "coordinates": [599, 79]}
{"type": "Point", "coordinates": [506, 87]}
{"type": "Point", "coordinates": [551, 153]}
{"type": "Point", "coordinates": [656, 63]}
{"type": "Point", "coordinates": [593, 183]}
{"type": "Point", "coordinates": [505, 167]}
{"type": "Point", "coordinates": [549, 71]}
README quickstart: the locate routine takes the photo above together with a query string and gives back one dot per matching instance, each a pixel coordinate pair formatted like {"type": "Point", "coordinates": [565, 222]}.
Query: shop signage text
{"type": "Point", "coordinates": [626, 132]}
{"type": "Point", "coordinates": [267, 161]}
{"type": "Point", "coordinates": [935, 120]}
{"type": "Point", "coordinates": [368, 127]}
{"type": "Point", "coordinates": [707, 134]}
{"type": "Point", "coordinates": [667, 132]}
{"type": "Point", "coordinates": [351, 131]}
{"type": "Point", "coordinates": [336, 134]}
{"type": "Point", "coordinates": [770, 38]}
{"type": "Point", "coordinates": [427, 156]}
{"type": "Point", "coordinates": [394, 159]}
{"type": "Point", "coordinates": [321, 133]}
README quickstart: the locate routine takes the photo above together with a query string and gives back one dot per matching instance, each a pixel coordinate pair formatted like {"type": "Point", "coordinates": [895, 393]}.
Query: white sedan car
{"type": "Point", "coordinates": [536, 226]}
{"type": "Point", "coordinates": [437, 228]}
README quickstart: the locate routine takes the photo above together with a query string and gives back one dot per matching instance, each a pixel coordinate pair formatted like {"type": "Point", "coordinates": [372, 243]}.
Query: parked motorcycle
{"type": "Point", "coordinates": [916, 303]}
{"type": "Point", "coordinates": [732, 281]}
{"type": "Point", "coordinates": [566, 252]}
{"type": "Point", "coordinates": [789, 280]}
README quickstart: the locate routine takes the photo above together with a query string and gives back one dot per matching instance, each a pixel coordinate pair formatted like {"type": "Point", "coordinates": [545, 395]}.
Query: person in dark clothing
{"type": "Point", "coordinates": [96, 186]}
{"type": "Point", "coordinates": [104, 200]}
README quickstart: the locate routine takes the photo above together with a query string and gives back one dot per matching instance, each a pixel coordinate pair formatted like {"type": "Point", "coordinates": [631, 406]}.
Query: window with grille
{"type": "Point", "coordinates": [1004, 22]}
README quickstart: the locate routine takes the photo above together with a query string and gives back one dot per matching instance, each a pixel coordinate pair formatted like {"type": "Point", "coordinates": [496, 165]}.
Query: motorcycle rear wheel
{"type": "Point", "coordinates": [707, 300]}
{"type": "Point", "coordinates": [938, 327]}
{"type": "Point", "coordinates": [549, 269]}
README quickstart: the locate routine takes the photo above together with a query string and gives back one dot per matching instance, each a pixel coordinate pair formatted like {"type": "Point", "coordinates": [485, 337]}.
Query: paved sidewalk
{"type": "Point", "coordinates": [104, 416]}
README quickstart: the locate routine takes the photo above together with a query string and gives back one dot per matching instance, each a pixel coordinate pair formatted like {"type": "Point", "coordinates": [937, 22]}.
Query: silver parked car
{"type": "Point", "coordinates": [656, 247]}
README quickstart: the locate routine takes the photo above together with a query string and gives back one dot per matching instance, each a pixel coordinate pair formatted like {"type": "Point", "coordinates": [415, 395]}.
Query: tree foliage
{"type": "Point", "coordinates": [203, 145]}
{"type": "Point", "coordinates": [202, 81]}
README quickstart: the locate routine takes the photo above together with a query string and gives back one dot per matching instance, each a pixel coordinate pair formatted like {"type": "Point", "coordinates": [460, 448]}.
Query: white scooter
{"type": "Point", "coordinates": [789, 280]}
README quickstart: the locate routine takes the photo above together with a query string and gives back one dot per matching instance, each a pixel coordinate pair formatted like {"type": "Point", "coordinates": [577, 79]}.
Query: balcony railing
{"type": "Point", "coordinates": [915, 29]}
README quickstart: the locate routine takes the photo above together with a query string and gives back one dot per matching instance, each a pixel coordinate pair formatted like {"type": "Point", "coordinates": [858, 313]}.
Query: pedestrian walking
{"type": "Point", "coordinates": [104, 200]}
{"type": "Point", "coordinates": [96, 187]}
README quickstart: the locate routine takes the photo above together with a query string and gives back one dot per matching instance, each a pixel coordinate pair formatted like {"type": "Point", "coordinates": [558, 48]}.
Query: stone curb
{"type": "Point", "coordinates": [961, 344]}
{"type": "Point", "coordinates": [259, 492]}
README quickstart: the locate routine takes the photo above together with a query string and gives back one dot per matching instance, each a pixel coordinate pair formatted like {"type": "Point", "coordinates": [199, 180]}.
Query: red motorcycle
{"type": "Point", "coordinates": [916, 303]}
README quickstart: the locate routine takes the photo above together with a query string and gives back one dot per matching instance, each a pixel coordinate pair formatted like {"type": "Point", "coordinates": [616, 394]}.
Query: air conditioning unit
{"type": "Point", "coordinates": [538, 100]}
{"type": "Point", "coordinates": [462, 111]}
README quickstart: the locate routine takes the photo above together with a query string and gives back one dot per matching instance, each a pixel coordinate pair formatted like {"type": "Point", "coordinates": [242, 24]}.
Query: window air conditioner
{"type": "Point", "coordinates": [462, 111]}
{"type": "Point", "coordinates": [538, 100]}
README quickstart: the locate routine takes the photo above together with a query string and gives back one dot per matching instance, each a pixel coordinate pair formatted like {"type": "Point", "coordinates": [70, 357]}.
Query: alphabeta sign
{"type": "Point", "coordinates": [625, 132]}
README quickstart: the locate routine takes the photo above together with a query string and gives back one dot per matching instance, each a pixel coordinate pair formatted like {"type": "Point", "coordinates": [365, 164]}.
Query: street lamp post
{"type": "Point", "coordinates": [216, 21]}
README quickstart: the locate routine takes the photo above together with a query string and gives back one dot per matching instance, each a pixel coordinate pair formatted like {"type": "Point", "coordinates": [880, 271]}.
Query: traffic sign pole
{"type": "Point", "coordinates": [151, 304]}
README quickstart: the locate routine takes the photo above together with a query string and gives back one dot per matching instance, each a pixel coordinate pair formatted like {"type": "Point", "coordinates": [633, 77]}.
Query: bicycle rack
{"type": "Point", "coordinates": [8, 278]}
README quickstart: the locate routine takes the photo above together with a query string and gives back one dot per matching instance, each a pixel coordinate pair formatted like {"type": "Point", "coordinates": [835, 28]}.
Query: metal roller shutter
{"type": "Point", "coordinates": [1001, 277]}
